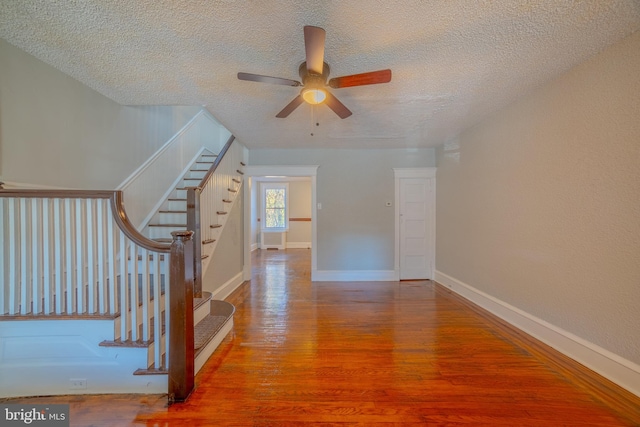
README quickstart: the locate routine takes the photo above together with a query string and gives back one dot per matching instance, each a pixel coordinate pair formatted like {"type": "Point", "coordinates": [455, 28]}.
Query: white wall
{"type": "Point", "coordinates": [57, 132]}
{"type": "Point", "coordinates": [355, 230]}
{"type": "Point", "coordinates": [538, 207]}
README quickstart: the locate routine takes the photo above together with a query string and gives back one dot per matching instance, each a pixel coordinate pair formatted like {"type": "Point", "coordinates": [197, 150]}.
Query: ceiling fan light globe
{"type": "Point", "coordinates": [314, 96]}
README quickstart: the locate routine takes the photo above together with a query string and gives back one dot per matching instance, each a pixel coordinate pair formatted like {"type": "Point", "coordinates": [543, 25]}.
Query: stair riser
{"type": "Point", "coordinates": [201, 312]}
{"type": "Point", "coordinates": [201, 167]}
{"type": "Point", "coordinates": [179, 194]}
{"type": "Point", "coordinates": [196, 174]}
{"type": "Point", "coordinates": [190, 183]}
{"type": "Point", "coordinates": [171, 218]}
{"type": "Point", "coordinates": [177, 205]}
{"type": "Point", "coordinates": [159, 232]}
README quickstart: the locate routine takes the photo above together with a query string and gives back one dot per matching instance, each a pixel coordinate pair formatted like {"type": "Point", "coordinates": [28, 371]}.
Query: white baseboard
{"type": "Point", "coordinates": [298, 245]}
{"type": "Point", "coordinates": [353, 275]}
{"type": "Point", "coordinates": [611, 366]}
{"type": "Point", "coordinates": [227, 288]}
{"type": "Point", "coordinates": [254, 246]}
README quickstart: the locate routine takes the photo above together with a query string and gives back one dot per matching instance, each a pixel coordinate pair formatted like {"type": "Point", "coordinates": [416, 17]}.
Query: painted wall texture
{"type": "Point", "coordinates": [57, 132]}
{"type": "Point", "coordinates": [539, 205]}
{"type": "Point", "coordinates": [355, 229]}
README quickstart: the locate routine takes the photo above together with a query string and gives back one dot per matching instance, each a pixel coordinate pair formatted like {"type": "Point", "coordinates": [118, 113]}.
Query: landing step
{"type": "Point", "coordinates": [207, 328]}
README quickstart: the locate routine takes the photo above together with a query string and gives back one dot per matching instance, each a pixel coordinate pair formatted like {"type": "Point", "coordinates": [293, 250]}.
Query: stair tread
{"type": "Point", "coordinates": [197, 302]}
{"type": "Point", "coordinates": [172, 211]}
{"type": "Point", "coordinates": [151, 371]}
{"type": "Point", "coordinates": [207, 328]}
{"type": "Point", "coordinates": [167, 225]}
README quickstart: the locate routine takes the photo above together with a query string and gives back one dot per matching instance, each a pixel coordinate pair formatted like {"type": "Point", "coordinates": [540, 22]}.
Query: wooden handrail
{"type": "Point", "coordinates": [117, 209]}
{"type": "Point", "coordinates": [193, 216]}
{"type": "Point", "coordinates": [215, 164]}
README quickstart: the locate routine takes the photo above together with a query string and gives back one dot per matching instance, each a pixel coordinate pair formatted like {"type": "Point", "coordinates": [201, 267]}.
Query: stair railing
{"type": "Point", "coordinates": [75, 253]}
{"type": "Point", "coordinates": [209, 202]}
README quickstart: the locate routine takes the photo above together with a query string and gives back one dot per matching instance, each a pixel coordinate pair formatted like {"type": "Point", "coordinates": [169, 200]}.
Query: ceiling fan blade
{"type": "Point", "coordinates": [371, 78]}
{"type": "Point", "coordinates": [337, 106]}
{"type": "Point", "coordinates": [314, 47]}
{"type": "Point", "coordinates": [266, 79]}
{"type": "Point", "coordinates": [290, 107]}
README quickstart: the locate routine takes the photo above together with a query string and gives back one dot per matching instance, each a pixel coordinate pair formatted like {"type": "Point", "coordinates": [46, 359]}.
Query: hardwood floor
{"type": "Point", "coordinates": [366, 353]}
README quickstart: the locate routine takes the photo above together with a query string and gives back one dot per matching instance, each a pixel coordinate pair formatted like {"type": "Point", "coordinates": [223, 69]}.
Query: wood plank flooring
{"type": "Point", "coordinates": [366, 353]}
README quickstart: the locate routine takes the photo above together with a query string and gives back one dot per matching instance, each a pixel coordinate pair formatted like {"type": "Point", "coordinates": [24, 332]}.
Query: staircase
{"type": "Point", "coordinates": [173, 213]}
{"type": "Point", "coordinates": [70, 323]}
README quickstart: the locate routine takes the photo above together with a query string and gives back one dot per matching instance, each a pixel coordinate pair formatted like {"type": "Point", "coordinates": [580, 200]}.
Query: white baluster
{"type": "Point", "coordinates": [3, 269]}
{"type": "Point", "coordinates": [24, 279]}
{"type": "Point", "coordinates": [69, 257]}
{"type": "Point", "coordinates": [46, 258]}
{"type": "Point", "coordinates": [13, 251]}
{"type": "Point", "coordinates": [101, 256]}
{"type": "Point", "coordinates": [80, 250]}
{"type": "Point", "coordinates": [124, 291]}
{"type": "Point", "coordinates": [146, 294]}
{"type": "Point", "coordinates": [133, 271]}
{"type": "Point", "coordinates": [58, 262]}
{"type": "Point", "coordinates": [112, 248]}
{"type": "Point", "coordinates": [157, 310]}
{"type": "Point", "coordinates": [90, 262]}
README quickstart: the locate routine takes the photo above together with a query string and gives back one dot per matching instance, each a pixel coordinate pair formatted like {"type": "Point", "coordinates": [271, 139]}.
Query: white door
{"type": "Point", "coordinates": [416, 228]}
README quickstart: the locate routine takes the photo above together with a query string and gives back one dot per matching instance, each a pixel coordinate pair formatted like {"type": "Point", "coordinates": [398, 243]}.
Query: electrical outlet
{"type": "Point", "coordinates": [77, 383]}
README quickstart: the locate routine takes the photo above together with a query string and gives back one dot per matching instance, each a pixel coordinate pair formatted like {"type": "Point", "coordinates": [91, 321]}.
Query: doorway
{"type": "Point", "coordinates": [256, 174]}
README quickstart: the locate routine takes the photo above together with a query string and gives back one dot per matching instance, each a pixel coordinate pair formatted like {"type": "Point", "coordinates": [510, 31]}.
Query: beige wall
{"type": "Point", "coordinates": [228, 257]}
{"type": "Point", "coordinates": [539, 206]}
{"type": "Point", "coordinates": [299, 207]}
{"type": "Point", "coordinates": [57, 132]}
{"type": "Point", "coordinates": [355, 230]}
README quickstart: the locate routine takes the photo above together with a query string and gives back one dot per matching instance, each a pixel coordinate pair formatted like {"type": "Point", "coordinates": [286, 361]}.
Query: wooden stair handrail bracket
{"type": "Point", "coordinates": [181, 333]}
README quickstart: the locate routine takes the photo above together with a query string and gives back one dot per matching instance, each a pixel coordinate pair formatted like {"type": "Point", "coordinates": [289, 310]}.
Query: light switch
{"type": "Point", "coordinates": [319, 206]}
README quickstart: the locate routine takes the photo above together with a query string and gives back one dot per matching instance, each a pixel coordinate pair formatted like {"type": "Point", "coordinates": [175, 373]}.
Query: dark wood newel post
{"type": "Point", "coordinates": [181, 340]}
{"type": "Point", "coordinates": [193, 224]}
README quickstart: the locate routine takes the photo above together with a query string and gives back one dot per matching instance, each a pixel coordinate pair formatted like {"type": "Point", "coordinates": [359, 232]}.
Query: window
{"type": "Point", "coordinates": [275, 204]}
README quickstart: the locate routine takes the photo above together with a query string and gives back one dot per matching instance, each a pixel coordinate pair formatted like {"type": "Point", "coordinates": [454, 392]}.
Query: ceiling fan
{"type": "Point", "coordinates": [314, 73]}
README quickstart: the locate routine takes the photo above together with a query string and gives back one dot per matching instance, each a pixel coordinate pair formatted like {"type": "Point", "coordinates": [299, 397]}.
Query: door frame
{"type": "Point", "coordinates": [255, 172]}
{"type": "Point", "coordinates": [425, 173]}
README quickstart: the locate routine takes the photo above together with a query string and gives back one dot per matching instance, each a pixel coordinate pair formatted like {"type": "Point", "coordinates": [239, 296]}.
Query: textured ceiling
{"type": "Point", "coordinates": [453, 61]}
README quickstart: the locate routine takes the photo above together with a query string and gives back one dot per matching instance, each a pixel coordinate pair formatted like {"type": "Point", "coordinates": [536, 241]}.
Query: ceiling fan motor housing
{"type": "Point", "coordinates": [311, 79]}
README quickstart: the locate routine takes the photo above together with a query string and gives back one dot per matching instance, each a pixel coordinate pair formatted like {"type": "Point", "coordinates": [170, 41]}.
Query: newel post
{"type": "Point", "coordinates": [181, 340]}
{"type": "Point", "coordinates": [193, 223]}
